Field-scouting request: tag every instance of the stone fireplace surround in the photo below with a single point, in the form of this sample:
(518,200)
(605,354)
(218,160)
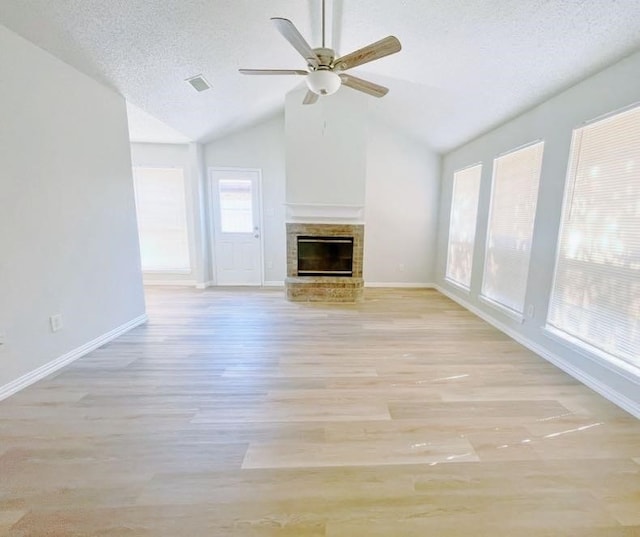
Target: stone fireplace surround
(324,288)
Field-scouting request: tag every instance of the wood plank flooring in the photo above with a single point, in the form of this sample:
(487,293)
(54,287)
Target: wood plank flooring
(236,413)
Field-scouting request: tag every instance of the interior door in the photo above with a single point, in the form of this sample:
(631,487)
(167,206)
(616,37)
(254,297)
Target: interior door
(237,237)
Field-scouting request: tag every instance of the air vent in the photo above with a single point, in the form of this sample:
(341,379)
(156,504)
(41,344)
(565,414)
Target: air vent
(198,83)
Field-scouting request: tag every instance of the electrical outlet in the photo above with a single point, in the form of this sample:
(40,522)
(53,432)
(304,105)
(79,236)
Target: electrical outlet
(56,322)
(401,267)
(269,264)
(531,310)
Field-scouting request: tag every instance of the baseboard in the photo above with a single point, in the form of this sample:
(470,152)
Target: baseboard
(401,285)
(169,283)
(280,283)
(50,367)
(206,285)
(595,384)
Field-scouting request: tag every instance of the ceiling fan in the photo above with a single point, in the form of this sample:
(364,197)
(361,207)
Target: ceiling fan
(325,73)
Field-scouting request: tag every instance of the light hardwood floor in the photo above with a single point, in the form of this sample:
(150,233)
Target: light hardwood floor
(236,413)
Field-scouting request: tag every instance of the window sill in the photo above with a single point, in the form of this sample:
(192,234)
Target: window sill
(508,312)
(618,365)
(458,286)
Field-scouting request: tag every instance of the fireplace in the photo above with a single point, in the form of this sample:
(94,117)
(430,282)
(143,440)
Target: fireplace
(324,262)
(325,256)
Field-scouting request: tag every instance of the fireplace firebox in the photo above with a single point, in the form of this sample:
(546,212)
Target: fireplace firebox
(325,256)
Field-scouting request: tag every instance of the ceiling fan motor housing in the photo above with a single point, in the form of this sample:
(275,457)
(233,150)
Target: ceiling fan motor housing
(325,57)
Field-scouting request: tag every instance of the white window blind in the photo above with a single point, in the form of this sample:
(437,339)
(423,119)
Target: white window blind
(596,293)
(462,226)
(513,207)
(162,219)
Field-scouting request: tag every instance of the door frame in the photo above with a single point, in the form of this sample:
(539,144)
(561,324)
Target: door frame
(214,213)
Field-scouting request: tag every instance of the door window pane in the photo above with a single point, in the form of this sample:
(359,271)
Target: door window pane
(236,205)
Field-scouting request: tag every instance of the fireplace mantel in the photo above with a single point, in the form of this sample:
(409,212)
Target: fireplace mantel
(314,213)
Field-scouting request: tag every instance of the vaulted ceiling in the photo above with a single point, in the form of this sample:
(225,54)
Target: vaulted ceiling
(466,65)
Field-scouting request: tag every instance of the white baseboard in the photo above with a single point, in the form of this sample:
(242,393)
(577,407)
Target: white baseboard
(50,367)
(401,285)
(169,283)
(280,283)
(206,285)
(595,384)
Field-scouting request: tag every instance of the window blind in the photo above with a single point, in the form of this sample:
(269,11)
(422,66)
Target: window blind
(162,219)
(462,225)
(513,207)
(596,291)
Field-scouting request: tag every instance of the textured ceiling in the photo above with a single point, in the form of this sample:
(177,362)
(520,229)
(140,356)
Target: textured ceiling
(466,65)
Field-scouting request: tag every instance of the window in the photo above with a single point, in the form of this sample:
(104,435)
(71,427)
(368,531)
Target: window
(462,226)
(236,205)
(162,219)
(513,207)
(595,300)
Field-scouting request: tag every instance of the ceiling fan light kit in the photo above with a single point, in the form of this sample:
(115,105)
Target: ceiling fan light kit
(325,73)
(323,82)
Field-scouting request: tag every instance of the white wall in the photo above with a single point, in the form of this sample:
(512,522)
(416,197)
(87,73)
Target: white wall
(553,121)
(326,148)
(401,208)
(68,240)
(397,181)
(160,155)
(261,146)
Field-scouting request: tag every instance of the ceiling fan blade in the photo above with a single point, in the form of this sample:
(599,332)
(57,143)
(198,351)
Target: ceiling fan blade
(310,98)
(374,51)
(273,72)
(291,34)
(363,85)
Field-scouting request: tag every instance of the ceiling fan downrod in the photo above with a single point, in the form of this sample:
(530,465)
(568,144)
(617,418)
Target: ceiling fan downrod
(323,24)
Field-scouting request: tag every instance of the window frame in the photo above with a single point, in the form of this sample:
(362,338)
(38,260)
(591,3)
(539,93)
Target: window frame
(505,309)
(447,277)
(569,340)
(187,226)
